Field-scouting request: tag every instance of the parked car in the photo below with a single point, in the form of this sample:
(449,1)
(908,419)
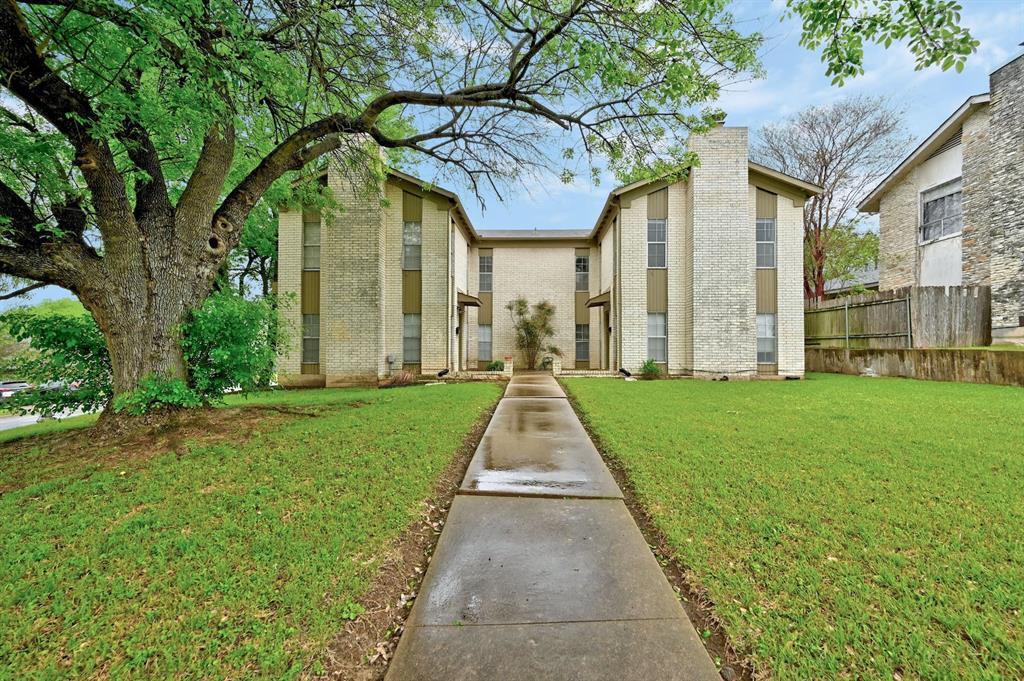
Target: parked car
(9,388)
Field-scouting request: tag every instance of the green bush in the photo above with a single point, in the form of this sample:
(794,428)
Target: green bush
(155,392)
(66,361)
(496,365)
(229,342)
(650,370)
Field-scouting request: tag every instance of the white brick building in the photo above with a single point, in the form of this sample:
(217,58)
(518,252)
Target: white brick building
(702,275)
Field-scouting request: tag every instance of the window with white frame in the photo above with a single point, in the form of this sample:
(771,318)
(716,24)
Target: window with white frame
(484,343)
(765,242)
(411,339)
(412,245)
(583,342)
(655,244)
(582,273)
(657,337)
(766,340)
(311,244)
(310,339)
(942,211)
(486,273)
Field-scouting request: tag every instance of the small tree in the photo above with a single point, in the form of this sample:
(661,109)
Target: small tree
(533,328)
(850,252)
(845,148)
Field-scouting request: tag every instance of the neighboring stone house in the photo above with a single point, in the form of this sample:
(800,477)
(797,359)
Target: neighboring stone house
(952,213)
(703,275)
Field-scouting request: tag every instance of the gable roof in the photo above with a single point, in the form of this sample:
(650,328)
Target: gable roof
(949,128)
(805,188)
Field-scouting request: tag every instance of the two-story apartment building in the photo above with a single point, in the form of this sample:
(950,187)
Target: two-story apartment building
(702,274)
(952,213)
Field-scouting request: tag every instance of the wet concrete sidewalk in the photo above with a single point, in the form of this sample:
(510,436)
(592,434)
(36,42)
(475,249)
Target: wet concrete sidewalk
(540,572)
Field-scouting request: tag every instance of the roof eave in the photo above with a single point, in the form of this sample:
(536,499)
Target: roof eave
(872,202)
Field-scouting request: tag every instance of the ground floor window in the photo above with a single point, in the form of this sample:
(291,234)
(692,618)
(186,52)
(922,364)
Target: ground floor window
(411,339)
(766,340)
(583,342)
(657,337)
(310,339)
(484,343)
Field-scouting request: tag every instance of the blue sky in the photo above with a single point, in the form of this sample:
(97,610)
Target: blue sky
(794,79)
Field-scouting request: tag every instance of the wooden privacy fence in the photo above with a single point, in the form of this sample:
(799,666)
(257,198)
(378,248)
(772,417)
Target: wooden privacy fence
(910,317)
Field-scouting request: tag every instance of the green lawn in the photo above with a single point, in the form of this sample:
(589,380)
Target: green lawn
(222,560)
(844,527)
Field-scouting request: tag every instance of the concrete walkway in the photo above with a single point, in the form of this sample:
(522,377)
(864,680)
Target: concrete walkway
(540,572)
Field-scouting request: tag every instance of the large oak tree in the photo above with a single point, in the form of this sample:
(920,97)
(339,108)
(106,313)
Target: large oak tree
(137,138)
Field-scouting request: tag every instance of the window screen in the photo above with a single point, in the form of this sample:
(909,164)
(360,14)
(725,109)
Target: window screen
(583,342)
(310,339)
(486,273)
(412,240)
(311,245)
(657,341)
(941,212)
(582,273)
(411,339)
(766,242)
(655,243)
(484,349)
(766,342)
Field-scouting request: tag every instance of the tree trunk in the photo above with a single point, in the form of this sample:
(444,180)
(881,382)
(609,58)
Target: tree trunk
(145,293)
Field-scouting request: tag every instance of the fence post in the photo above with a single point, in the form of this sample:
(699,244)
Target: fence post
(846,322)
(910,337)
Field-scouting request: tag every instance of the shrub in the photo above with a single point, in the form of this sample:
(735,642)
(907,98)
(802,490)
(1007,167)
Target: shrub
(399,379)
(155,392)
(496,365)
(533,327)
(650,370)
(231,342)
(66,360)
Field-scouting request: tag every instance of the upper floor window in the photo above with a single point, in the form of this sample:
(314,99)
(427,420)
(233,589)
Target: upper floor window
(486,273)
(412,245)
(582,273)
(311,244)
(766,242)
(656,243)
(942,211)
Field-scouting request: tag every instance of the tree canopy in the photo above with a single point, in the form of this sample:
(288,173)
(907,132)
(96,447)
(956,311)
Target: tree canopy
(137,139)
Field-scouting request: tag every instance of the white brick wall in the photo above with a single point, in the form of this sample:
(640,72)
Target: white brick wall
(436,311)
(289,285)
(724,331)
(536,273)
(350,283)
(392,260)
(677,318)
(632,305)
(789,271)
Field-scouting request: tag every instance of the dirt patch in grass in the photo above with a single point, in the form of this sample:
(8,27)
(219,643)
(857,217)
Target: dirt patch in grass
(695,601)
(43,457)
(363,650)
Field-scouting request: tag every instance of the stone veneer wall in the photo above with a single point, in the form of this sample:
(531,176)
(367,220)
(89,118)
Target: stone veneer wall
(1006,201)
(724,330)
(977,176)
(897,230)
